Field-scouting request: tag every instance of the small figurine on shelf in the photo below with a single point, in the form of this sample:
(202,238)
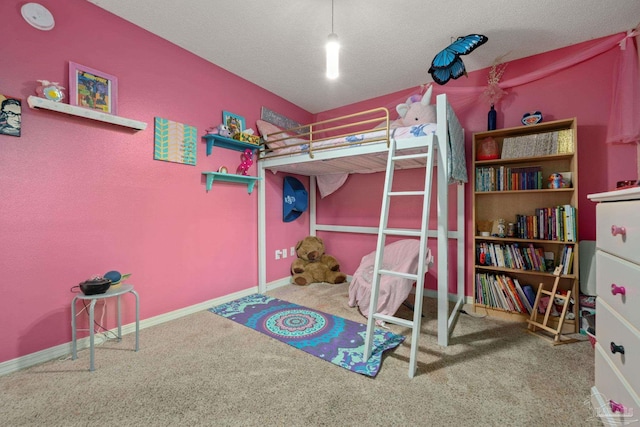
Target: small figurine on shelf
(50,90)
(556,181)
(502,229)
(221,130)
(247,162)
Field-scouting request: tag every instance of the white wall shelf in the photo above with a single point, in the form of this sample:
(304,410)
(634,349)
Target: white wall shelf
(37,102)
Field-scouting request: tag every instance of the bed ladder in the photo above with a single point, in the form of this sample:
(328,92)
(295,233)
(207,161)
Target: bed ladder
(383,232)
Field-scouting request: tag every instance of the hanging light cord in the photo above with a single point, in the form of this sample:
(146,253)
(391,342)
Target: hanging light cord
(332,16)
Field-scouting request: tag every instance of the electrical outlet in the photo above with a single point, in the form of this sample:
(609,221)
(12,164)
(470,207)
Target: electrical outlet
(284,253)
(278,253)
(292,252)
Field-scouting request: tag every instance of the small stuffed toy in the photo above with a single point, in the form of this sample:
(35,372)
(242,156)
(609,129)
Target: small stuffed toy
(313,265)
(221,130)
(557,181)
(415,112)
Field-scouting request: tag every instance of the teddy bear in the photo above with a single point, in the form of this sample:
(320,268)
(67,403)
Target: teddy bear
(313,265)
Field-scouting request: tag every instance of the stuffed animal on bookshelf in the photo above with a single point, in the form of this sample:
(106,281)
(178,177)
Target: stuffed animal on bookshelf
(559,302)
(557,181)
(556,306)
(416,111)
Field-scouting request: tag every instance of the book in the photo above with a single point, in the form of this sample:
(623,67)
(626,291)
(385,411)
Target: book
(529,294)
(522,296)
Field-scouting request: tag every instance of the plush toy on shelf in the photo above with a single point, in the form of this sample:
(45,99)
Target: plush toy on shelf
(220,130)
(313,265)
(557,181)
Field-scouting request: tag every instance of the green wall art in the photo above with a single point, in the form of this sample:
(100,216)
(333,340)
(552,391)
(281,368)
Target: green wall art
(175,142)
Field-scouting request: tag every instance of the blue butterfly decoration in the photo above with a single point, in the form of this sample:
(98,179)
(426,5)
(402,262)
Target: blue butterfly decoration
(447,64)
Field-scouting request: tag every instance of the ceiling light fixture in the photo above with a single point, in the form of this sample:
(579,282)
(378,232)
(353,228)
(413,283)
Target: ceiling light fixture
(333,51)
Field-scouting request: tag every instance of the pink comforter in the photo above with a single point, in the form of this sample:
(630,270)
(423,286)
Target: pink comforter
(398,256)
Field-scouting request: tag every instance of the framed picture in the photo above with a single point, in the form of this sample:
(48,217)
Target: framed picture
(10,115)
(234,122)
(92,89)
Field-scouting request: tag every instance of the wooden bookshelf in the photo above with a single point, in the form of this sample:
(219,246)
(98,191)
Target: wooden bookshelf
(517,187)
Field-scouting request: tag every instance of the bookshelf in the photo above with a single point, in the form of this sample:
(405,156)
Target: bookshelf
(540,223)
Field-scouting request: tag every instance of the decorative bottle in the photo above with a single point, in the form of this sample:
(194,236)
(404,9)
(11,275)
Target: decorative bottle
(491,119)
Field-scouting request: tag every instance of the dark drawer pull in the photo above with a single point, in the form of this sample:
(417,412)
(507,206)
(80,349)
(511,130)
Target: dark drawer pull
(616,348)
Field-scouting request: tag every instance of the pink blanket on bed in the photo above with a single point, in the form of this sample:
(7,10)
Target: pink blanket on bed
(398,256)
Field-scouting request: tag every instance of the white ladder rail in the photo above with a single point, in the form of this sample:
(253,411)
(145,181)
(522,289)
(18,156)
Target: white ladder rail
(423,233)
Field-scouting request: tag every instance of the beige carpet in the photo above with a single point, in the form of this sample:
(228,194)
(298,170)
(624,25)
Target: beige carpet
(204,370)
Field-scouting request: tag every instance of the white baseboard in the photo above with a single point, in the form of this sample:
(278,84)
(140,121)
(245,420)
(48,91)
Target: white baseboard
(63,350)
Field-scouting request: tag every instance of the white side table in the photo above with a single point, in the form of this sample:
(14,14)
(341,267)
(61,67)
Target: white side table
(114,291)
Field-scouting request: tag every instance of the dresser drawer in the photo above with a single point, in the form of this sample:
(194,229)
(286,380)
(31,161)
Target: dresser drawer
(610,328)
(612,387)
(625,297)
(619,215)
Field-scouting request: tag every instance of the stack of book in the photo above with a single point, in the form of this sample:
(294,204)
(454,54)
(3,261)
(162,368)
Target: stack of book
(504,292)
(504,178)
(538,144)
(510,255)
(557,223)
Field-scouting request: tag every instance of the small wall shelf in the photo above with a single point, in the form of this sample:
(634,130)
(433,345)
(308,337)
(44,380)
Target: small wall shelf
(228,143)
(37,102)
(231,177)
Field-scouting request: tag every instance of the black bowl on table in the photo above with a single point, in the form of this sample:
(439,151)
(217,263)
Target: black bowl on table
(95,287)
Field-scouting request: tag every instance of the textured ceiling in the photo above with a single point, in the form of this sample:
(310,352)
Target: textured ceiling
(386,46)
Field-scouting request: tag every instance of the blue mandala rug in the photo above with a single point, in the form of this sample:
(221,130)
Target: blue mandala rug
(331,338)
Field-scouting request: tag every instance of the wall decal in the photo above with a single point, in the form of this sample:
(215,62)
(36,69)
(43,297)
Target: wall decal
(175,142)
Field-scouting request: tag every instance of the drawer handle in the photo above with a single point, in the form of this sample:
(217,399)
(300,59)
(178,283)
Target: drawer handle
(615,230)
(615,289)
(616,407)
(616,348)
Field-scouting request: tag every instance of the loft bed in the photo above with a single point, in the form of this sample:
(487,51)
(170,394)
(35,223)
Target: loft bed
(328,150)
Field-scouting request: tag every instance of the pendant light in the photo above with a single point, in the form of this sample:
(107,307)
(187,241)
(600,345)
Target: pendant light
(333,51)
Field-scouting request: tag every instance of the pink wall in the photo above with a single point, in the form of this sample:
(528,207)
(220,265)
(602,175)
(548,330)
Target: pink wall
(583,91)
(80,197)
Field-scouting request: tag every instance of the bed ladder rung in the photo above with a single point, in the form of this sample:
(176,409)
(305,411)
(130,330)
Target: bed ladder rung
(411,156)
(402,232)
(407,193)
(395,320)
(399,274)
(416,275)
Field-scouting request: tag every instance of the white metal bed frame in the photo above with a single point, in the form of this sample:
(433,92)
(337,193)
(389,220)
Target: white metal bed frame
(296,163)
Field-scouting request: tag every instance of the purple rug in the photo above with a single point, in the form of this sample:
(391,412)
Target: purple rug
(331,338)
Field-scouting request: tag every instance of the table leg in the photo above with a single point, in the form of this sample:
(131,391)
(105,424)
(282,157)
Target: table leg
(119,321)
(137,318)
(91,333)
(74,348)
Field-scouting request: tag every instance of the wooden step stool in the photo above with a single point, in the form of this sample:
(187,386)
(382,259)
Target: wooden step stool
(556,334)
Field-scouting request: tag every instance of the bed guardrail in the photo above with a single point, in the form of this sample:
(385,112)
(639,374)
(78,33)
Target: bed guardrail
(326,130)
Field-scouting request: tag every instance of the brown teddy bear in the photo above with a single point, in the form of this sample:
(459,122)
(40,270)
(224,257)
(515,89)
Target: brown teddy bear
(313,265)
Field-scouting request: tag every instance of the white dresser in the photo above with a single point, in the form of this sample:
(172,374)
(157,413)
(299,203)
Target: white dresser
(615,396)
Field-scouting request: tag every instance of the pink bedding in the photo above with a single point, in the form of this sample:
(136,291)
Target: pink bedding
(398,256)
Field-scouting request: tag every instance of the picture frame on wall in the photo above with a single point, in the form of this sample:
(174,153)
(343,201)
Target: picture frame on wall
(234,122)
(10,115)
(93,89)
